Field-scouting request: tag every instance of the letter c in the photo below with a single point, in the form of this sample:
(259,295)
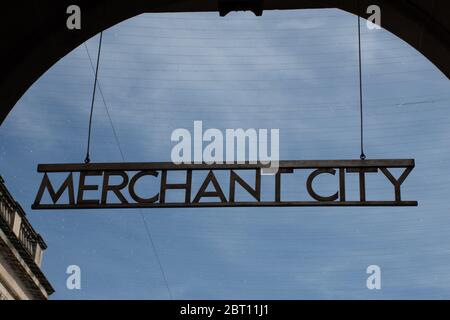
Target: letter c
(133,182)
(312,193)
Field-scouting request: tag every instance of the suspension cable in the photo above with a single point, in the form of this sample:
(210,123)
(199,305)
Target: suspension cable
(116,138)
(87,159)
(362,156)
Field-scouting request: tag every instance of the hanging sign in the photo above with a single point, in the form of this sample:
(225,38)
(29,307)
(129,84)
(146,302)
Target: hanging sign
(116,184)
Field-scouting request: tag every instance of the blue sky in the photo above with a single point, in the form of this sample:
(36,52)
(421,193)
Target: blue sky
(294,70)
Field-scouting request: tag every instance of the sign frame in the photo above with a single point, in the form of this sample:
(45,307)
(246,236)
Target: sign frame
(341,167)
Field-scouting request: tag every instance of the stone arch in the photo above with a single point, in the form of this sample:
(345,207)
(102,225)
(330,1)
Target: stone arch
(36,38)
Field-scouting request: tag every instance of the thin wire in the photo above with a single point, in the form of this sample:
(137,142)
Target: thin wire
(362,156)
(87,159)
(150,238)
(116,138)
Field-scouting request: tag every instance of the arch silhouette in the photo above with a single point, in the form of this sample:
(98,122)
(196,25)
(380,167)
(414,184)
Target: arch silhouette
(37,37)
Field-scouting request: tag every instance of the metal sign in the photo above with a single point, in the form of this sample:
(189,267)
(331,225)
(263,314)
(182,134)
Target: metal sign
(129,174)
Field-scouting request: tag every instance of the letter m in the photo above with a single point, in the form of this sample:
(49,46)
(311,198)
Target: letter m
(47,185)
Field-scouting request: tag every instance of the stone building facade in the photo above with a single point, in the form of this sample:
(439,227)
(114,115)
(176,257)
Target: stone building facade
(21,250)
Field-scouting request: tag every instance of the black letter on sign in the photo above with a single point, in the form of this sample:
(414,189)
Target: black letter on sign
(342,184)
(82,187)
(362,180)
(46,184)
(256,193)
(186,186)
(278,182)
(311,191)
(203,193)
(397,183)
(114,188)
(133,182)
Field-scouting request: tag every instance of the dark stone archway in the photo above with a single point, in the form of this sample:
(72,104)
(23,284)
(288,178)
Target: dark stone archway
(35,36)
